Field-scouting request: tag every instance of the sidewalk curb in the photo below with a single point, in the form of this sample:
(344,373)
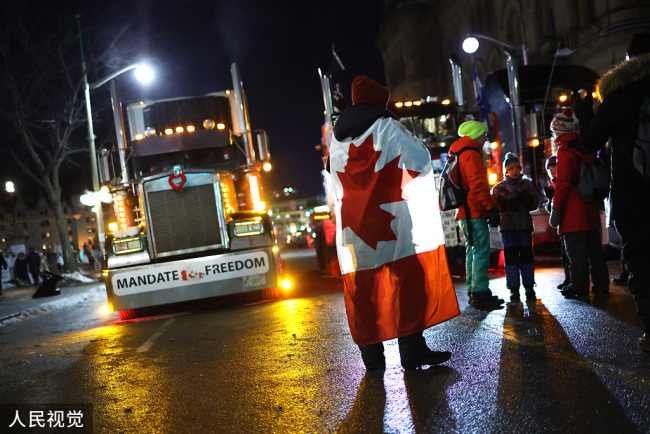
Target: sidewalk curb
(28,307)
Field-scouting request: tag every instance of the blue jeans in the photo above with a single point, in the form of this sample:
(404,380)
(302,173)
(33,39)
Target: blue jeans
(477,257)
(519,259)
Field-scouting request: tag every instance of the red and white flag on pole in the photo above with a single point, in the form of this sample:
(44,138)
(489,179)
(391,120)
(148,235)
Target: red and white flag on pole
(389,236)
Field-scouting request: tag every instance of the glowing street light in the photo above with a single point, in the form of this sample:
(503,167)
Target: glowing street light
(144,74)
(471,44)
(10,187)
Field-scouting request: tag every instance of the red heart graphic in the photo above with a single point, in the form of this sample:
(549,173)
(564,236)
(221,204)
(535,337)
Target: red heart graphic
(173,184)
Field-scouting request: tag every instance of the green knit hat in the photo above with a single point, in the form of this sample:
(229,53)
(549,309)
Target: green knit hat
(471,129)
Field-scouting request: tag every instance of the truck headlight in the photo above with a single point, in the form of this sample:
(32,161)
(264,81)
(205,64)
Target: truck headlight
(246,228)
(127,245)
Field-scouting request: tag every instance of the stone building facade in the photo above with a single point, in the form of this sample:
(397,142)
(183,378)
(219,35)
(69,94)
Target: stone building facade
(417,38)
(23,226)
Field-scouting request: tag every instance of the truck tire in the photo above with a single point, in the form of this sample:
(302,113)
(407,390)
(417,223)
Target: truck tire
(133,313)
(126,314)
(271,293)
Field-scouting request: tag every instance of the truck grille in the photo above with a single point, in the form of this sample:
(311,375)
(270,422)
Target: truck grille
(183,220)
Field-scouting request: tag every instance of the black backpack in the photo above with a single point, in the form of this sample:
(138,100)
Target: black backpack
(451,193)
(593,185)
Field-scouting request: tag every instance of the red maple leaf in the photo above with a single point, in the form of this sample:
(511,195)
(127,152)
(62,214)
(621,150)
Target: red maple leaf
(364,190)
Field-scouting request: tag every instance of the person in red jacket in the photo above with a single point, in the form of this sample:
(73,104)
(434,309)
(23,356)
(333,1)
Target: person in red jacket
(482,208)
(578,222)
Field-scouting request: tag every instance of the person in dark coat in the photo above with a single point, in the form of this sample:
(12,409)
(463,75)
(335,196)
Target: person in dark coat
(3,266)
(516,197)
(20,268)
(622,91)
(33,260)
(578,221)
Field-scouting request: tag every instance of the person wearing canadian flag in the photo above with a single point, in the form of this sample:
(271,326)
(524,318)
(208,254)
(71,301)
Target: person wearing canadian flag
(389,234)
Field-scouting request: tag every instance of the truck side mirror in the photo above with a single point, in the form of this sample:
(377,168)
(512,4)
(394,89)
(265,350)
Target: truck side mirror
(261,143)
(103,167)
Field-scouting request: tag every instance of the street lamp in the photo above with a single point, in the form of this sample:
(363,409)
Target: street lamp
(144,74)
(471,44)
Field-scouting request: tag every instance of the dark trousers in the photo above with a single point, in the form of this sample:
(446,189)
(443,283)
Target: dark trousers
(564,258)
(34,276)
(636,255)
(586,257)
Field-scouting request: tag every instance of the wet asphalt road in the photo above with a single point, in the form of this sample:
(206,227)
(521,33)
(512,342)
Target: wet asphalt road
(289,365)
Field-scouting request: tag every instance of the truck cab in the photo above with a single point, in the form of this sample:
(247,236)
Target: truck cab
(190,221)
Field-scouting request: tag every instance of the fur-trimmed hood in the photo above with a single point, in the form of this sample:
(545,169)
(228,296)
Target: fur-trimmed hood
(624,74)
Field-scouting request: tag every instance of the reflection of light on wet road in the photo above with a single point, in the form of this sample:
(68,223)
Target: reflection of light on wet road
(129,387)
(397,412)
(480,335)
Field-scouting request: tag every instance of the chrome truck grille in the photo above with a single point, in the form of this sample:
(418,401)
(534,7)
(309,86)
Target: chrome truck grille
(183,221)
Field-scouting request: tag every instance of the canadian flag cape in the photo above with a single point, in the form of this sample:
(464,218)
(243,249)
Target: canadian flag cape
(389,235)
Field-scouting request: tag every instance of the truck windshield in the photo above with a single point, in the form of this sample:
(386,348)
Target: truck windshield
(431,130)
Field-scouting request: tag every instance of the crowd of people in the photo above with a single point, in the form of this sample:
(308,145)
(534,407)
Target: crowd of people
(578,138)
(25,269)
(374,161)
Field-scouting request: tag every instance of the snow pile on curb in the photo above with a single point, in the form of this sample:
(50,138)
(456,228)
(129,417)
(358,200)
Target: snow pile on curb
(92,293)
(78,277)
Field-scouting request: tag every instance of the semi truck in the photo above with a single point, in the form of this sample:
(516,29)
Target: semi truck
(189,220)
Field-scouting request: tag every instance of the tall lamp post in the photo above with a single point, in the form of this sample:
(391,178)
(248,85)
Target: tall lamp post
(470,45)
(144,74)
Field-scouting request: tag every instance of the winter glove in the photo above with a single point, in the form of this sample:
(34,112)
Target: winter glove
(556,218)
(494,218)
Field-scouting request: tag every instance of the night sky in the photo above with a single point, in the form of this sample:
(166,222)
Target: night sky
(278,46)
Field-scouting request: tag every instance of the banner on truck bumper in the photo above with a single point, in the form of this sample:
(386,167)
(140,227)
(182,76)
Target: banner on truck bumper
(182,273)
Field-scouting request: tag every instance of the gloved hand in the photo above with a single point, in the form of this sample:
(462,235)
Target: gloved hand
(494,218)
(556,218)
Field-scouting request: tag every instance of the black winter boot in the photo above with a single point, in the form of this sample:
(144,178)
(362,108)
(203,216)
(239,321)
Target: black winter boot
(530,292)
(484,300)
(413,352)
(569,292)
(622,279)
(514,295)
(567,278)
(373,356)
